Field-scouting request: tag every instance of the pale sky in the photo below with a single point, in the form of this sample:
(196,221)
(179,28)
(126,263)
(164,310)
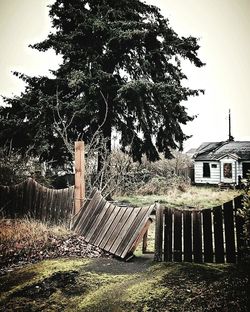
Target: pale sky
(223,27)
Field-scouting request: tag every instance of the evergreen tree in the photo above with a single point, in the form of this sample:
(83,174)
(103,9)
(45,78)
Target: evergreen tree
(121,71)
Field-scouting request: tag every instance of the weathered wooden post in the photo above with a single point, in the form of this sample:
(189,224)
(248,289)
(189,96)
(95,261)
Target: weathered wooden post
(158,232)
(79,175)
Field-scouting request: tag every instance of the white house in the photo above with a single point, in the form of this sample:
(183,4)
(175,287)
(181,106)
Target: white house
(222,162)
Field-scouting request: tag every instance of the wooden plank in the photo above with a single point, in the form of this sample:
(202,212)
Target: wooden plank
(96,210)
(59,207)
(229,232)
(168,231)
(31,189)
(145,242)
(96,225)
(97,235)
(37,203)
(197,238)
(54,205)
(132,214)
(137,228)
(158,232)
(105,226)
(140,236)
(118,228)
(177,235)
(45,215)
(187,225)
(79,175)
(88,212)
(49,200)
(207,235)
(68,208)
(218,235)
(46,205)
(107,241)
(239,227)
(79,215)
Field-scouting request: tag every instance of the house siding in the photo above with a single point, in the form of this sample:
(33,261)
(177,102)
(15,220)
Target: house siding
(214,172)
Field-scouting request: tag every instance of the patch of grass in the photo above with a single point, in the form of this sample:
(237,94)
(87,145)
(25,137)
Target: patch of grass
(197,197)
(15,284)
(68,285)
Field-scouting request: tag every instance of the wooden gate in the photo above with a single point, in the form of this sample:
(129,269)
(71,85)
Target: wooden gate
(200,235)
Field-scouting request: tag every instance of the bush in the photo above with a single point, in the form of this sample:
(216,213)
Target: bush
(161,185)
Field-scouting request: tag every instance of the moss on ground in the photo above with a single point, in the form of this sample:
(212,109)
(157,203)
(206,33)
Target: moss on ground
(95,286)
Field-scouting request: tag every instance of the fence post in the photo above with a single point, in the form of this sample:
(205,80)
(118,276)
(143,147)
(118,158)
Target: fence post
(79,175)
(158,232)
(145,242)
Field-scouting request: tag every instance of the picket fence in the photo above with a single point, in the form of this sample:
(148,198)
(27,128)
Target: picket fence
(200,235)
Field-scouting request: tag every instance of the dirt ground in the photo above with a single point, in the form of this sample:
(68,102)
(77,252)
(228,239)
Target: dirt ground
(107,284)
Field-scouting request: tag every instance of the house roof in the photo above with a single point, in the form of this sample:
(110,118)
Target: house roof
(191,151)
(217,150)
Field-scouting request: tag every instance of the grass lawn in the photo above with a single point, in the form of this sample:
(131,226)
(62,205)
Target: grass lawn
(104,285)
(195,196)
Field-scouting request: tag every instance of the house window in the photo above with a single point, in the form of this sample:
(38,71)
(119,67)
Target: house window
(227,170)
(214,166)
(246,170)
(206,170)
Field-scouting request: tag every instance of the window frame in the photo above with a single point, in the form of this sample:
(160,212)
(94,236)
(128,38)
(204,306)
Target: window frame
(227,172)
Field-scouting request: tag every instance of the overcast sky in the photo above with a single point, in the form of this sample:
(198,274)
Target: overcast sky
(223,27)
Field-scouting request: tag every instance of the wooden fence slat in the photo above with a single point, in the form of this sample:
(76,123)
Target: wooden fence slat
(86,216)
(145,242)
(207,235)
(158,232)
(107,240)
(229,232)
(91,234)
(177,235)
(96,210)
(197,236)
(81,213)
(218,235)
(187,235)
(239,227)
(168,224)
(132,215)
(106,222)
(117,230)
(137,229)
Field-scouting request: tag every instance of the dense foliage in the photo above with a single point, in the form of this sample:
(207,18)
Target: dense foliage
(121,71)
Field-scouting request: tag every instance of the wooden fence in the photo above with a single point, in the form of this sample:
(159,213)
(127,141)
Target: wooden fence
(204,235)
(29,198)
(113,228)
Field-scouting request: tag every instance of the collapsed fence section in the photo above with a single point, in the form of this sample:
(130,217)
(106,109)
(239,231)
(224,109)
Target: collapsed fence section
(29,198)
(204,235)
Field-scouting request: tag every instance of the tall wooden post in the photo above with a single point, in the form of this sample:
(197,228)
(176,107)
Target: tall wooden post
(79,175)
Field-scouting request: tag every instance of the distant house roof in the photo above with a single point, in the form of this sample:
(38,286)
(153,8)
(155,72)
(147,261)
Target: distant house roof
(191,151)
(217,150)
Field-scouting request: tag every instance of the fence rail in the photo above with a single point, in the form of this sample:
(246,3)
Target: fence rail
(205,235)
(29,198)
